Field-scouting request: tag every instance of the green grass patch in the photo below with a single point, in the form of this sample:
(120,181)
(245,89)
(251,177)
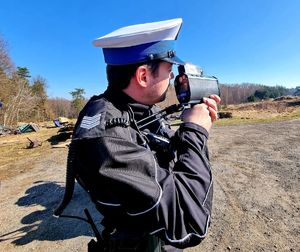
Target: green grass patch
(242,121)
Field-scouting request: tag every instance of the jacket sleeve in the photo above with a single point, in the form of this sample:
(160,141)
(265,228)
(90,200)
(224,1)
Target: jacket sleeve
(186,203)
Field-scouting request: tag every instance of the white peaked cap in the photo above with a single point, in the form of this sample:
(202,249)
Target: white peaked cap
(141,43)
(140,34)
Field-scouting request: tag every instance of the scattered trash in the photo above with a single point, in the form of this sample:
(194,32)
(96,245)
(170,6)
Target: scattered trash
(66,132)
(8,131)
(25,128)
(56,123)
(61,121)
(63,134)
(67,128)
(33,143)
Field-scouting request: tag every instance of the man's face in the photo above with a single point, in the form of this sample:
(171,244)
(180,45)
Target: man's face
(160,82)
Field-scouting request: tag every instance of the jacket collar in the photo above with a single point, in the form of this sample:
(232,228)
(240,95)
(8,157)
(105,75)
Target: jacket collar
(122,101)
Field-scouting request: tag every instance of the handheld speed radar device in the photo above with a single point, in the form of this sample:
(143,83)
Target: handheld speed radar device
(191,85)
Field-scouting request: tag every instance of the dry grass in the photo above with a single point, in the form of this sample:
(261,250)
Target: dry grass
(13,149)
(263,112)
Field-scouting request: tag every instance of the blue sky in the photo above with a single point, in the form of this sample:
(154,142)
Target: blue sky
(238,41)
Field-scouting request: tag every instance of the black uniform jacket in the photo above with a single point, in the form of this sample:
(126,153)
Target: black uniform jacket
(139,189)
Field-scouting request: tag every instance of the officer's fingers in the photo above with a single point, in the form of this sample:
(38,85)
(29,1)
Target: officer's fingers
(216,98)
(213,114)
(210,103)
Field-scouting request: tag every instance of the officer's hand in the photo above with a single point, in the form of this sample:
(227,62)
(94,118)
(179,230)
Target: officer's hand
(203,114)
(212,102)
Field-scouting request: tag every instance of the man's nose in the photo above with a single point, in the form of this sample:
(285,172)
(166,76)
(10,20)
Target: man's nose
(171,75)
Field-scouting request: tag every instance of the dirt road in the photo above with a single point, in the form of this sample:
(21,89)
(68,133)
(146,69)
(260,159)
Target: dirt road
(256,202)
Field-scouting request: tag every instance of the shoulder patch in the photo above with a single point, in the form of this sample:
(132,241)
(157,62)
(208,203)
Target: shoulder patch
(89,122)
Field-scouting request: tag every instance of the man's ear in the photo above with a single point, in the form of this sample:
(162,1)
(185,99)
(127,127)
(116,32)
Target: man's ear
(141,75)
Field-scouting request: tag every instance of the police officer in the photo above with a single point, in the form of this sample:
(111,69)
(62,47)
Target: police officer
(152,199)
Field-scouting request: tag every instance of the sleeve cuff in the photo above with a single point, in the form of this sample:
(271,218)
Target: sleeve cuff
(193,126)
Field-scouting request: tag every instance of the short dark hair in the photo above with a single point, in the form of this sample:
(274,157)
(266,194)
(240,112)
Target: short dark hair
(118,76)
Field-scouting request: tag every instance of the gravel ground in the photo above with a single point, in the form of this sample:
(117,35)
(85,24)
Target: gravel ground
(256,201)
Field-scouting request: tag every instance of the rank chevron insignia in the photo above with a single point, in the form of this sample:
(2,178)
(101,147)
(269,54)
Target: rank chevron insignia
(89,122)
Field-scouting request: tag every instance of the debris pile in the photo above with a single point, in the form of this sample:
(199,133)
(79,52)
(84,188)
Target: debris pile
(30,127)
(64,134)
(61,121)
(8,131)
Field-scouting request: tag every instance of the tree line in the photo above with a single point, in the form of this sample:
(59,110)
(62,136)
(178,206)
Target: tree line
(24,98)
(250,92)
(239,93)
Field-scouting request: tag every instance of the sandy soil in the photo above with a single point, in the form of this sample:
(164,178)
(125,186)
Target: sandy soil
(256,201)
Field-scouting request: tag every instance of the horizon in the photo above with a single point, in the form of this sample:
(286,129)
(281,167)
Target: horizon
(238,42)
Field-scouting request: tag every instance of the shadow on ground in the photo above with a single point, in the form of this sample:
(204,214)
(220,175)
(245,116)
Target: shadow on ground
(41,225)
(60,137)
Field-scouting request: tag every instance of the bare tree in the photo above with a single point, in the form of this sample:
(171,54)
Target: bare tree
(6,65)
(6,69)
(19,104)
(237,93)
(19,99)
(57,107)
